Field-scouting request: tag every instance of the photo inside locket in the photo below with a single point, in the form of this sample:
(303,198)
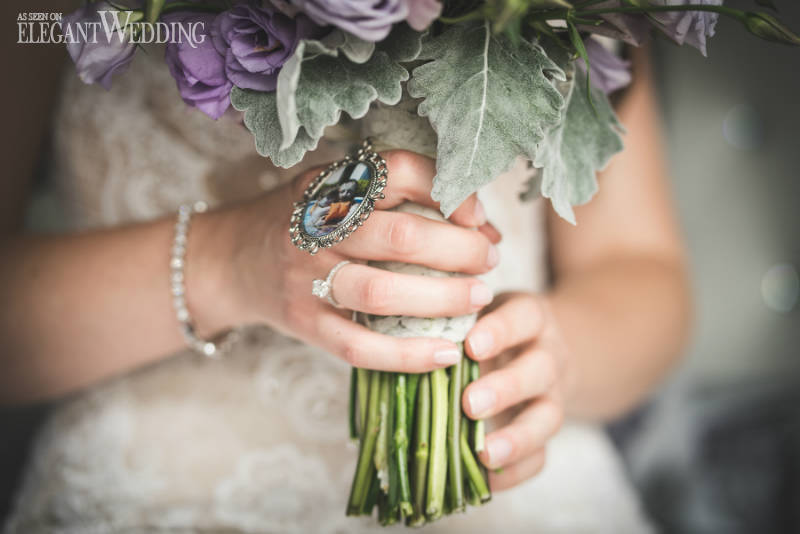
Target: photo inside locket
(337,199)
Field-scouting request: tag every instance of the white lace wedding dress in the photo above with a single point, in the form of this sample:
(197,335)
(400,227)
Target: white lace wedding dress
(256,442)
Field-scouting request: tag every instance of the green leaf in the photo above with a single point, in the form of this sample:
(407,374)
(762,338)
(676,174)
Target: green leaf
(770,29)
(575,150)
(152,9)
(261,118)
(488,100)
(767,3)
(404,44)
(354,48)
(317,83)
(577,42)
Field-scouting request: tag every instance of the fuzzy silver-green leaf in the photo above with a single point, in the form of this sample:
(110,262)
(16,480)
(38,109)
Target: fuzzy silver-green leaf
(319,83)
(574,151)
(261,118)
(489,100)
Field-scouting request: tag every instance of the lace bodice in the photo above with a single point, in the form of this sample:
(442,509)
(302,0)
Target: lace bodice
(255,442)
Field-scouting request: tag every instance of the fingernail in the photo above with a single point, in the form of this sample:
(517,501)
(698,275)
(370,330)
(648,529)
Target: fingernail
(493,257)
(480,295)
(499,449)
(481,401)
(480,214)
(480,342)
(446,356)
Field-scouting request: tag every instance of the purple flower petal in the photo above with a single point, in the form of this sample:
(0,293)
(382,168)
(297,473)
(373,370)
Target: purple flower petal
(97,62)
(690,27)
(607,71)
(421,13)
(256,41)
(199,71)
(370,20)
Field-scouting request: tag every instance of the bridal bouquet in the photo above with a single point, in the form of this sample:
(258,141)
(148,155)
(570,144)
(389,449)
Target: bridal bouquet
(495,79)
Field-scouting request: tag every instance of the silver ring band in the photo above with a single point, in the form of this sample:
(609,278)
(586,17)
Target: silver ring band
(324,288)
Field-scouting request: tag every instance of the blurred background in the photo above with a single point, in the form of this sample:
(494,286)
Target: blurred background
(717,450)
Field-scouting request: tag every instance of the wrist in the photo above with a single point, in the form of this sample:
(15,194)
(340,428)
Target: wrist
(212,295)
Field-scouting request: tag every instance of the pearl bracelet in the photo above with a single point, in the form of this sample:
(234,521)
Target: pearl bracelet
(178,287)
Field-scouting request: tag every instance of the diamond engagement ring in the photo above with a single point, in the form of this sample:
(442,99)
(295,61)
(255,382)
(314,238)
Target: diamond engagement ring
(324,288)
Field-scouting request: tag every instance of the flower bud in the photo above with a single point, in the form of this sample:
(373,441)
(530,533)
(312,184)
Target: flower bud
(770,29)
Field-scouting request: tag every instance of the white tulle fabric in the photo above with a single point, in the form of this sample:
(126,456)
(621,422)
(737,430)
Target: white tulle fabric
(255,443)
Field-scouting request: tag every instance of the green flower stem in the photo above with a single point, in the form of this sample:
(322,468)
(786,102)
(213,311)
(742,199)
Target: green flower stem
(478,427)
(437,464)
(735,13)
(401,444)
(394,475)
(411,396)
(473,470)
(471,492)
(422,431)
(372,495)
(366,468)
(580,12)
(454,472)
(362,387)
(382,444)
(351,406)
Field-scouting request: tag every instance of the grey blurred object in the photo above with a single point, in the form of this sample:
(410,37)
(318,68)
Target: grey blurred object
(718,449)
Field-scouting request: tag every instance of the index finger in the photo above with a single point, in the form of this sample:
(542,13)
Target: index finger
(361,347)
(410,179)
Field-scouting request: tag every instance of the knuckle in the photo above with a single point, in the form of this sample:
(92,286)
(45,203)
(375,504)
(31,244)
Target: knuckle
(352,354)
(548,370)
(401,162)
(513,387)
(375,293)
(534,310)
(403,234)
(555,416)
(479,248)
(405,358)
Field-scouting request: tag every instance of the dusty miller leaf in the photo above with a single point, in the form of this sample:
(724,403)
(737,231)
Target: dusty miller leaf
(261,118)
(355,49)
(575,150)
(318,85)
(404,44)
(489,100)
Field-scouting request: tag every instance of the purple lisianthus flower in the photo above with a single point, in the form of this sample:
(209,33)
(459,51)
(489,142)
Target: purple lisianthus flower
(370,20)
(199,71)
(256,41)
(421,13)
(632,29)
(98,60)
(690,27)
(607,71)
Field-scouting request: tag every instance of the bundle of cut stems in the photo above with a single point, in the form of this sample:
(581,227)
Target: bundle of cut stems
(417,449)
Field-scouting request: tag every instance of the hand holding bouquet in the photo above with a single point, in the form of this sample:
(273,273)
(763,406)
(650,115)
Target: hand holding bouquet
(495,80)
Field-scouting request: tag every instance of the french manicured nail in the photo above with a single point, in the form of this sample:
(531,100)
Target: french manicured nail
(499,449)
(446,356)
(493,257)
(480,214)
(480,295)
(480,342)
(481,401)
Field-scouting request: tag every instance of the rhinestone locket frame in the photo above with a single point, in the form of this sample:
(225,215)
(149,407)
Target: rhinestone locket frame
(377,182)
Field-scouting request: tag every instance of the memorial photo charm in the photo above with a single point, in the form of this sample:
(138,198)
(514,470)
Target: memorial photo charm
(338,201)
